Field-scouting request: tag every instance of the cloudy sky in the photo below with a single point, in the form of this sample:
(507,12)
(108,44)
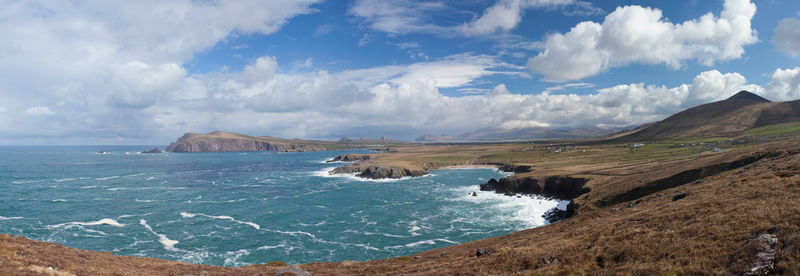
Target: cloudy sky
(145,72)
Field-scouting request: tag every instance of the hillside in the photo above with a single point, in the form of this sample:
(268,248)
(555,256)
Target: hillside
(730,117)
(534,133)
(219,141)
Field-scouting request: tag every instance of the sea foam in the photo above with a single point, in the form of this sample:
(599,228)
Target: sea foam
(105,221)
(168,243)
(251,224)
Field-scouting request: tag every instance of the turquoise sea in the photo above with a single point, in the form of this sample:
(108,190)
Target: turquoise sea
(242,208)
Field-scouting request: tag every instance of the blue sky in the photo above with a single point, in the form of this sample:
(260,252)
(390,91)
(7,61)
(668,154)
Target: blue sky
(144,72)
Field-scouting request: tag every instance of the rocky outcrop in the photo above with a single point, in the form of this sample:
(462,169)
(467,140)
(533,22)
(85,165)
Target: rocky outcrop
(349,158)
(513,168)
(553,186)
(379,171)
(154,150)
(226,142)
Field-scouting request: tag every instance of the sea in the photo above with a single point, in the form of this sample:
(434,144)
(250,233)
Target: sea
(240,208)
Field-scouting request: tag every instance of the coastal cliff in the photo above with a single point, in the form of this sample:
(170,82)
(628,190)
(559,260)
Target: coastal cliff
(218,141)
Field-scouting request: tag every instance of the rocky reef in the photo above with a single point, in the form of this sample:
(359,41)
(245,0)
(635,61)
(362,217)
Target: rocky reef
(379,171)
(349,158)
(154,150)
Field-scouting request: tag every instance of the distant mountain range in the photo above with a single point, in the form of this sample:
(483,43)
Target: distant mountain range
(496,133)
(730,117)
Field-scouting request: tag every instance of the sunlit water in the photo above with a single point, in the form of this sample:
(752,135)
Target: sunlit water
(241,208)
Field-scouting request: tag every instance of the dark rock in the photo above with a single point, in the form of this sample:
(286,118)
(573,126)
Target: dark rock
(349,158)
(154,150)
(555,215)
(679,196)
(378,172)
(474,194)
(766,245)
(553,186)
(481,252)
(635,203)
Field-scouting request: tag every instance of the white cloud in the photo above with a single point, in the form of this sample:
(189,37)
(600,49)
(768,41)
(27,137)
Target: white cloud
(39,111)
(507,14)
(635,34)
(517,124)
(406,16)
(397,17)
(787,36)
(784,85)
(570,86)
(364,40)
(105,66)
(451,71)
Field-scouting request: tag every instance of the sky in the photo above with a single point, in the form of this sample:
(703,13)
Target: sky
(145,72)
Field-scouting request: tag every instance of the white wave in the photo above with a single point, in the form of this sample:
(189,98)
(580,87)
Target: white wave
(315,224)
(151,178)
(325,172)
(422,242)
(168,243)
(413,228)
(294,233)
(524,209)
(59,200)
(105,221)
(232,257)
(117,189)
(128,216)
(268,247)
(65,179)
(88,187)
(107,178)
(25,181)
(365,246)
(95,231)
(395,236)
(7,218)
(144,200)
(190,215)
(237,200)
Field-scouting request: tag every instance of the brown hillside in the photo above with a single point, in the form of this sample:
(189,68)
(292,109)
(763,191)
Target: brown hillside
(729,117)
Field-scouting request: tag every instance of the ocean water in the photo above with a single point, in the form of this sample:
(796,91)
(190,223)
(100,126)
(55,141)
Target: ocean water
(242,208)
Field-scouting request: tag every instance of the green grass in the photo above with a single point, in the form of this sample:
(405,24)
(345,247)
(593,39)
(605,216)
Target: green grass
(774,129)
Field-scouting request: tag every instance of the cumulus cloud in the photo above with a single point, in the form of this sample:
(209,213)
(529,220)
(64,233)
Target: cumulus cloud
(787,36)
(102,66)
(406,16)
(636,34)
(784,85)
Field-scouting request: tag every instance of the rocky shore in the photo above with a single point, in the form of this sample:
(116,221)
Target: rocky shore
(349,158)
(379,172)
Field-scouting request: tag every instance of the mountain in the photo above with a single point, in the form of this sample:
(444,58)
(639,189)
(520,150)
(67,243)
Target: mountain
(728,117)
(432,138)
(496,133)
